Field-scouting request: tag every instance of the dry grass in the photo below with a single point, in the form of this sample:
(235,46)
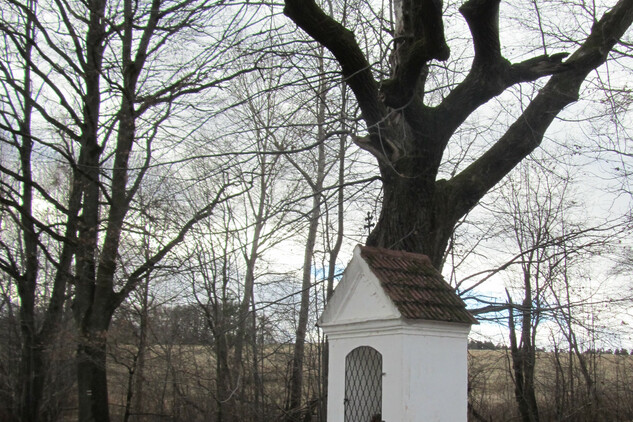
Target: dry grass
(179,381)
(561,389)
(179,384)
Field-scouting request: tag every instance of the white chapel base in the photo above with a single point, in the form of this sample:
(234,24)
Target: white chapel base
(424,374)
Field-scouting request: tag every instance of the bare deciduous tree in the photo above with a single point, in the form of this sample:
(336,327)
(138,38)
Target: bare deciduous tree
(92,90)
(408,134)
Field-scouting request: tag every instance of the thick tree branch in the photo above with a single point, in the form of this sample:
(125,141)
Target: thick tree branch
(536,67)
(527,132)
(419,39)
(355,67)
(491,74)
(482,17)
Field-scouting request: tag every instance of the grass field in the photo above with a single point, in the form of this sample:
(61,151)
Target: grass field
(179,385)
(562,393)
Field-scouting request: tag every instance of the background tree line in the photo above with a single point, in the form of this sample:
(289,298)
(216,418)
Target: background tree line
(182,183)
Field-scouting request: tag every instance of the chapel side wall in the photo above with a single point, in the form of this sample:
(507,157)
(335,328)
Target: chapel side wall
(390,347)
(435,387)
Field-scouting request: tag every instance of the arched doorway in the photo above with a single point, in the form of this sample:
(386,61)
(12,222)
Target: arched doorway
(363,385)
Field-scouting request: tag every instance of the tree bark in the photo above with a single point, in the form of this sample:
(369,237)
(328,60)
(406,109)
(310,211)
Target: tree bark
(91,379)
(414,215)
(92,383)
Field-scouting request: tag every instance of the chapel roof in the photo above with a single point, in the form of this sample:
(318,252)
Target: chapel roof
(415,287)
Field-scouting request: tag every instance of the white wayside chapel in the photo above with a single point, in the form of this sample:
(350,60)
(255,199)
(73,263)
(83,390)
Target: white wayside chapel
(398,336)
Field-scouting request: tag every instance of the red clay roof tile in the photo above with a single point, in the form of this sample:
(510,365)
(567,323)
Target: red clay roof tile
(415,286)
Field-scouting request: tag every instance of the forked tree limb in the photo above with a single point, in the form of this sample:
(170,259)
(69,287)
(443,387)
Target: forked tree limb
(491,74)
(482,17)
(526,134)
(419,38)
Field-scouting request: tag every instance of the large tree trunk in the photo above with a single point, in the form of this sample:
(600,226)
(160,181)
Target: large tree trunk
(91,373)
(412,217)
(31,379)
(91,323)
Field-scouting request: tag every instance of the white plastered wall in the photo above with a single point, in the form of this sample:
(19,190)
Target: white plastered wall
(424,368)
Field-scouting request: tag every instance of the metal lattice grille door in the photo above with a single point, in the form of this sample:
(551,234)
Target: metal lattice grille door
(363,385)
